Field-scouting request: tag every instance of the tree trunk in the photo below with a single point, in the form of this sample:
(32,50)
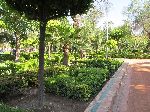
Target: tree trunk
(96,48)
(148,35)
(49,50)
(81,53)
(148,45)
(17,50)
(66,54)
(41,63)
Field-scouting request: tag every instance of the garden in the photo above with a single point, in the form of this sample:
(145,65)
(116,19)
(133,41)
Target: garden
(65,65)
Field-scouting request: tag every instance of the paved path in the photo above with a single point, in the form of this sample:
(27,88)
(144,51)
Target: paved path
(139,89)
(127,91)
(134,95)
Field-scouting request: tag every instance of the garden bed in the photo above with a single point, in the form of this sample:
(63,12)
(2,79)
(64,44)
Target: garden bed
(52,103)
(67,88)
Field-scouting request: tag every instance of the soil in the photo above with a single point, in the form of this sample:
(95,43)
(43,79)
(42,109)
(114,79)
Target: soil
(52,103)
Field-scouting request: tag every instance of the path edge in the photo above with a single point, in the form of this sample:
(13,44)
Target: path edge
(104,100)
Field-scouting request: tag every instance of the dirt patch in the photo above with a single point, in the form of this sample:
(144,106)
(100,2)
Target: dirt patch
(52,103)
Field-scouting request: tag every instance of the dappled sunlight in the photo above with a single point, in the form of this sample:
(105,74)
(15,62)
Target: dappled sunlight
(140,87)
(145,65)
(143,69)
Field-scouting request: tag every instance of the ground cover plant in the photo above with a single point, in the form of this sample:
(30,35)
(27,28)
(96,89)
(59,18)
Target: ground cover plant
(5,108)
(79,81)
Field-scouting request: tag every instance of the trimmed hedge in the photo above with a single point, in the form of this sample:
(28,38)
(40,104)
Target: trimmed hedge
(14,84)
(79,81)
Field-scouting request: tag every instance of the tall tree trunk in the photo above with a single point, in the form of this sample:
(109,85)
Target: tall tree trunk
(66,54)
(41,63)
(17,50)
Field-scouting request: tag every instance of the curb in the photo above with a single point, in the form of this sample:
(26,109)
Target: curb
(105,98)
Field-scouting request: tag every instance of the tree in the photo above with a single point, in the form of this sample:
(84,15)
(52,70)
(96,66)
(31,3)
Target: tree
(15,25)
(44,10)
(139,14)
(60,32)
(52,34)
(120,34)
(90,33)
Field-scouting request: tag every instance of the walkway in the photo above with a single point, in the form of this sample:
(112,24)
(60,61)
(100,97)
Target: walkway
(139,89)
(133,94)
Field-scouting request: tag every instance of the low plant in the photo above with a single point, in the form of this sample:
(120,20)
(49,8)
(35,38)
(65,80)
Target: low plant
(6,108)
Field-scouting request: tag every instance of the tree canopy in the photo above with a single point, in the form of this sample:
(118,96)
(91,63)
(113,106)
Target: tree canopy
(139,13)
(49,9)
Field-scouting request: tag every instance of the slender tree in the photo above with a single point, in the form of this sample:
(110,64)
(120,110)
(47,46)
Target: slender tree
(44,10)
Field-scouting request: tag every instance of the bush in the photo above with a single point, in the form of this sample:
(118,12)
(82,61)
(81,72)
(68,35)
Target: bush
(80,81)
(5,57)
(110,64)
(57,69)
(7,68)
(28,56)
(81,85)
(14,84)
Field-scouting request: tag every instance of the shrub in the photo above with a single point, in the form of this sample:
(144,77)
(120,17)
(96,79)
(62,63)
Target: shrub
(5,57)
(109,64)
(14,84)
(5,108)
(80,86)
(57,69)
(27,56)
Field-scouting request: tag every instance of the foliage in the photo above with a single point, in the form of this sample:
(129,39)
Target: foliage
(79,81)
(34,10)
(15,83)
(15,77)
(5,57)
(116,34)
(28,56)
(43,11)
(13,21)
(82,80)
(132,47)
(57,69)
(6,108)
(80,87)
(139,14)
(109,64)
(112,44)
